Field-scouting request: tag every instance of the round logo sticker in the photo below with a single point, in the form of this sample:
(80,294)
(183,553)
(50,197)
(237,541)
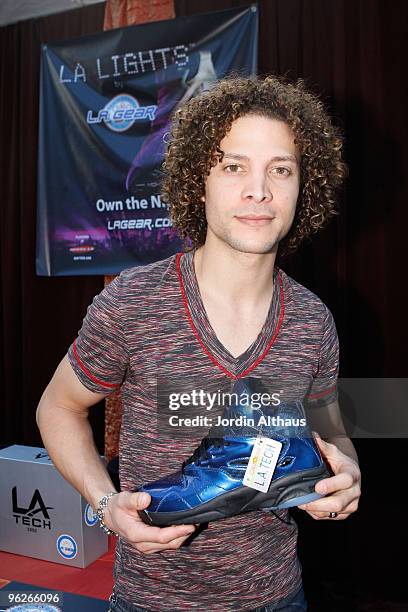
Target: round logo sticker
(122,111)
(66,546)
(90,517)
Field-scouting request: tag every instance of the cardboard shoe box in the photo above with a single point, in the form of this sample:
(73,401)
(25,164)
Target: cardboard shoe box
(42,515)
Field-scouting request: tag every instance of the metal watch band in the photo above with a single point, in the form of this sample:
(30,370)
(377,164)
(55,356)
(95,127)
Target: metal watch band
(100,513)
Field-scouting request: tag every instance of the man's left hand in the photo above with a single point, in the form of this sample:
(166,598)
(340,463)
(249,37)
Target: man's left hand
(342,490)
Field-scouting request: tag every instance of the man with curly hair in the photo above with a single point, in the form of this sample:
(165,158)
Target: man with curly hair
(252,168)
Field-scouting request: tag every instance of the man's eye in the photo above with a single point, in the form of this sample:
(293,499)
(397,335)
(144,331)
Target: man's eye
(232,168)
(282,171)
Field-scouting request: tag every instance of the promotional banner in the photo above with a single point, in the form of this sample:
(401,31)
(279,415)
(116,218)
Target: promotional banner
(105,106)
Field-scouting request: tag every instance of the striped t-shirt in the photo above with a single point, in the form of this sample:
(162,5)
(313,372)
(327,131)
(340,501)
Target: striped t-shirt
(149,333)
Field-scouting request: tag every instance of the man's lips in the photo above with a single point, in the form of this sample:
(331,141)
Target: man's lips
(254,220)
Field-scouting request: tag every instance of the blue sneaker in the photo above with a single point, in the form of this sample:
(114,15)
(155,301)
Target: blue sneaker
(210,485)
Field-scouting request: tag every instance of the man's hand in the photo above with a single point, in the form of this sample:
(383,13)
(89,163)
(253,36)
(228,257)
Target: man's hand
(121,515)
(342,490)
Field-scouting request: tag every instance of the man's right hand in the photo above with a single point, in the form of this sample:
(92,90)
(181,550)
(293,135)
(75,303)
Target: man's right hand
(121,515)
(62,417)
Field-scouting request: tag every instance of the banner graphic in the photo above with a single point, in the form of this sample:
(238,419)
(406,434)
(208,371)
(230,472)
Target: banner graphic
(105,106)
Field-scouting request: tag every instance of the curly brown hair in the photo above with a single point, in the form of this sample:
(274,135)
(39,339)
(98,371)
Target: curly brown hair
(199,126)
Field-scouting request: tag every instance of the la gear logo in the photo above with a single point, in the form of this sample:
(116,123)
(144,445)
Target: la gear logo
(25,516)
(120,113)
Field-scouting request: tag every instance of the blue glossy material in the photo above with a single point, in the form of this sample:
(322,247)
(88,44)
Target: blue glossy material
(221,466)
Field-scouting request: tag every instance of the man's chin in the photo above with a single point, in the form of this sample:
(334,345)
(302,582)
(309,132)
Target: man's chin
(254,247)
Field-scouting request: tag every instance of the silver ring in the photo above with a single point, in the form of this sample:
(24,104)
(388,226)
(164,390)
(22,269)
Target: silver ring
(333,514)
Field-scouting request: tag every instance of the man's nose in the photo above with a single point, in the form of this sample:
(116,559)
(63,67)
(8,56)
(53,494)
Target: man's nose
(257,188)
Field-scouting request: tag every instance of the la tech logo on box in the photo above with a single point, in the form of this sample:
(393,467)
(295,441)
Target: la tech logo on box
(35,516)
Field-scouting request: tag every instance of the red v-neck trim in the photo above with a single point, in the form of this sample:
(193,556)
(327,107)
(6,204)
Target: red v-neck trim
(199,339)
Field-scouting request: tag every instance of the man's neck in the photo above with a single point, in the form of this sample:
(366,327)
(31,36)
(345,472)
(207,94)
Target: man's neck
(245,279)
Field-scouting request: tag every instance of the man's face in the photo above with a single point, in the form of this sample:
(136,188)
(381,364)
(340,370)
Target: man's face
(250,196)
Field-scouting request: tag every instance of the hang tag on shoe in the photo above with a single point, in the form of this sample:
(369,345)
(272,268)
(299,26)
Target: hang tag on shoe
(262,464)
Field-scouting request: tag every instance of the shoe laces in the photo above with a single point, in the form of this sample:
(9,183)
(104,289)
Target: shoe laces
(201,453)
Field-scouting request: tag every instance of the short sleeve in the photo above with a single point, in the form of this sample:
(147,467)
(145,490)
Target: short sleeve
(324,385)
(98,356)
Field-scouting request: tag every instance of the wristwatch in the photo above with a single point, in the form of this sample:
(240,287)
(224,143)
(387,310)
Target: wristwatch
(100,513)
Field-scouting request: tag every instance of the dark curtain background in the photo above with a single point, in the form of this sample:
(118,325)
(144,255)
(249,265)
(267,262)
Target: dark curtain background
(351,53)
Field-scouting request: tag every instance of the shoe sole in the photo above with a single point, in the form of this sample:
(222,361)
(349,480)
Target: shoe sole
(286,492)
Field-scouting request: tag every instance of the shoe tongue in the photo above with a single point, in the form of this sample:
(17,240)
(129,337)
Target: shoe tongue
(247,417)
(240,414)
(200,451)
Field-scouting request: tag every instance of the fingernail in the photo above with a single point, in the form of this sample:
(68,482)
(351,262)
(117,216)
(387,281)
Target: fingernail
(143,499)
